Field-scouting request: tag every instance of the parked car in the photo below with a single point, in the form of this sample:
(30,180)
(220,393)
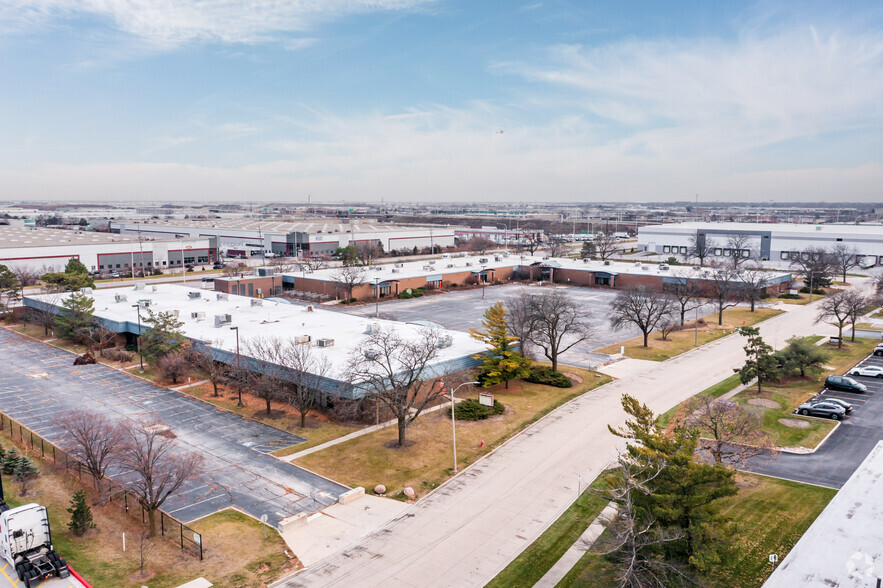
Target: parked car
(823,409)
(846,406)
(869,371)
(218,265)
(844,383)
(878,350)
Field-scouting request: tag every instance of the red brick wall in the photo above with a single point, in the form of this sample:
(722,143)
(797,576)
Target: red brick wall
(264,284)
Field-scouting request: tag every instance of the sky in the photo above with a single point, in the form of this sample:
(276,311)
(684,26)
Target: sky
(440,100)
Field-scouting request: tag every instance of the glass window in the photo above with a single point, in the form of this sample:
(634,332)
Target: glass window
(718,251)
(683,249)
(666,249)
(784,255)
(599,281)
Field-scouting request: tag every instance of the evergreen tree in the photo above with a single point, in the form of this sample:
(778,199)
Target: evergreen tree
(10,460)
(760,362)
(25,471)
(501,362)
(588,251)
(77,318)
(74,266)
(802,355)
(81,514)
(74,277)
(683,496)
(163,335)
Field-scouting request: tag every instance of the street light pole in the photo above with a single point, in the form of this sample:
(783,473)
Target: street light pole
(138,340)
(238,374)
(454,421)
(376,297)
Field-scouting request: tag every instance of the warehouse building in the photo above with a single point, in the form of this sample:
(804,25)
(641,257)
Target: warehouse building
(219,321)
(50,250)
(454,271)
(247,237)
(764,241)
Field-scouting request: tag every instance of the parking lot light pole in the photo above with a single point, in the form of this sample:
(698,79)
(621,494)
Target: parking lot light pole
(454,420)
(138,339)
(238,374)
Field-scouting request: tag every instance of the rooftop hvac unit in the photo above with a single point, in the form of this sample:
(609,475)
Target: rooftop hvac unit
(450,265)
(695,268)
(444,341)
(606,262)
(523,256)
(145,302)
(372,329)
(644,268)
(395,270)
(257,302)
(120,297)
(153,288)
(400,265)
(545,257)
(221,296)
(197,315)
(468,264)
(325,342)
(428,267)
(663,267)
(175,312)
(497,258)
(85,290)
(302,339)
(482,260)
(637,263)
(431,262)
(266,272)
(505,254)
(309,309)
(223,319)
(139,286)
(371,354)
(194,295)
(586,260)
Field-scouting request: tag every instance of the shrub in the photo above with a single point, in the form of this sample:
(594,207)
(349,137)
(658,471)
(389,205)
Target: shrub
(174,366)
(548,377)
(472,410)
(116,354)
(789,296)
(805,290)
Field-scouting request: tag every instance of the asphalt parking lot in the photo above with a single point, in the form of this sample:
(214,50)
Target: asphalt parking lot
(463,310)
(847,447)
(38,384)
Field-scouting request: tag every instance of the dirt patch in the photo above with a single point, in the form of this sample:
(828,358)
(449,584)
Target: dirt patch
(766,403)
(795,423)
(574,378)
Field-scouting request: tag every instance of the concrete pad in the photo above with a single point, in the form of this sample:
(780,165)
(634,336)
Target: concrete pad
(197,583)
(339,526)
(629,367)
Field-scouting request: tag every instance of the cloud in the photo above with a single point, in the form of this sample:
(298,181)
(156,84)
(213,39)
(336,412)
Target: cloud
(171,23)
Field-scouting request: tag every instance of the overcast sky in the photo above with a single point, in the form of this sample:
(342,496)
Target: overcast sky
(244,100)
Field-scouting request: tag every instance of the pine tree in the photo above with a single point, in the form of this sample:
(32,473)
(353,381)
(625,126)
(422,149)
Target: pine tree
(162,336)
(25,471)
(760,361)
(77,318)
(501,362)
(10,460)
(81,514)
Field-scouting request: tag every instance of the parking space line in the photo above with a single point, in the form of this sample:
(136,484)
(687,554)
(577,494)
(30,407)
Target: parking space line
(3,571)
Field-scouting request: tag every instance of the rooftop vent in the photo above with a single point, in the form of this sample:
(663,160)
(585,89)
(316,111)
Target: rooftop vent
(482,260)
(468,264)
(325,342)
(444,341)
(145,302)
(120,297)
(265,272)
(395,270)
(194,295)
(637,263)
(606,262)
(221,296)
(257,302)
(400,265)
(197,315)
(85,290)
(372,329)
(302,339)
(223,319)
(663,267)
(310,309)
(371,353)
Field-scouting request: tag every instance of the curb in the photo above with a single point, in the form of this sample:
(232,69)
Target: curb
(79,577)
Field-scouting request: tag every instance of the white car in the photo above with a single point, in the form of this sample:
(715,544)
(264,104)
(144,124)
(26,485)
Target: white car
(870,371)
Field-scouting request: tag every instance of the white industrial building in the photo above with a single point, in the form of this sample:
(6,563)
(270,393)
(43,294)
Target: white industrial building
(765,241)
(246,237)
(50,249)
(210,319)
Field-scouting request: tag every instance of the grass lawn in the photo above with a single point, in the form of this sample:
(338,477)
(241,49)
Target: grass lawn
(793,391)
(867,326)
(426,461)
(31,330)
(539,557)
(804,299)
(772,514)
(878,314)
(683,340)
(236,553)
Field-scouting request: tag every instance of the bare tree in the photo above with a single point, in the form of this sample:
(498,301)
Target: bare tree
(685,293)
(43,311)
(556,246)
(814,265)
(725,291)
(305,369)
(736,432)
(262,374)
(145,546)
(667,326)
(836,309)
(856,302)
(155,467)
(699,248)
(368,251)
(348,277)
(520,321)
(529,242)
(92,440)
(550,320)
(396,372)
(232,269)
(844,258)
(480,245)
(283,265)
(27,276)
(315,262)
(174,366)
(101,338)
(740,250)
(643,307)
(754,281)
(202,359)
(605,246)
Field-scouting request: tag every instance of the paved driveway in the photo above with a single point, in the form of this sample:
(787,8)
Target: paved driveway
(38,384)
(463,310)
(846,448)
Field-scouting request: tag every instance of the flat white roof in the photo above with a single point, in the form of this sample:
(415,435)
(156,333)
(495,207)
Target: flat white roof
(843,547)
(270,319)
(276,227)
(14,237)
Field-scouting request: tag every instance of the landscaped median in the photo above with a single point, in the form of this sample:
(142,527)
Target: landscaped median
(680,341)
(427,460)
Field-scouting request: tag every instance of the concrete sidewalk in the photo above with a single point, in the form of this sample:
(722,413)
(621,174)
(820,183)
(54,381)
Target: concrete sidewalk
(471,527)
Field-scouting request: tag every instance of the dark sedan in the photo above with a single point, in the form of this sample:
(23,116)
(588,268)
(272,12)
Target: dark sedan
(822,409)
(845,384)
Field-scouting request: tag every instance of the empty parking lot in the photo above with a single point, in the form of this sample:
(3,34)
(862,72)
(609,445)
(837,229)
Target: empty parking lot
(39,384)
(846,448)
